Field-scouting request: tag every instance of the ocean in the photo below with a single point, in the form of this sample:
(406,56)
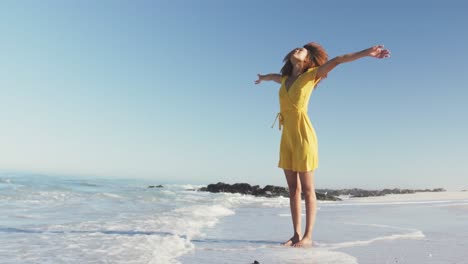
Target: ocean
(52,219)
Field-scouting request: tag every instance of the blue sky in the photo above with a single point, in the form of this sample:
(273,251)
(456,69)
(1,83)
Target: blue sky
(163,90)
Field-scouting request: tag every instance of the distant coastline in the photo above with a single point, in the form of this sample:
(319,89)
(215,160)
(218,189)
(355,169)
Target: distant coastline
(321,194)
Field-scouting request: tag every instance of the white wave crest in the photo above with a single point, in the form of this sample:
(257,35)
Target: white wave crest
(410,235)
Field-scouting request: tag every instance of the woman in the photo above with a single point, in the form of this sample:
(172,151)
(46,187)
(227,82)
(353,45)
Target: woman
(304,68)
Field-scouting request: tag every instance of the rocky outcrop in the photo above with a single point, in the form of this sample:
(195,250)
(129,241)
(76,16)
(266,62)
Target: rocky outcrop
(153,186)
(267,191)
(321,194)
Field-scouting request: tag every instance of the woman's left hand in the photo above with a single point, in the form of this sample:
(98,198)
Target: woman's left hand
(378,52)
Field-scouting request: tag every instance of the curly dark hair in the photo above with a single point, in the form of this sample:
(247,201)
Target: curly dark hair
(317,57)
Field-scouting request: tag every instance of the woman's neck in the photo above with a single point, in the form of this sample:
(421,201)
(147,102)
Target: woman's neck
(298,69)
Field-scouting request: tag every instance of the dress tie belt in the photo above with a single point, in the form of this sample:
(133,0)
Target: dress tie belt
(280,118)
(280,122)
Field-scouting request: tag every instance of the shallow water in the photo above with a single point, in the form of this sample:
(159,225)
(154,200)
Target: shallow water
(60,220)
(419,228)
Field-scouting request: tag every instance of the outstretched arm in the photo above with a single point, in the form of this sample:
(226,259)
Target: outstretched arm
(376,51)
(268,77)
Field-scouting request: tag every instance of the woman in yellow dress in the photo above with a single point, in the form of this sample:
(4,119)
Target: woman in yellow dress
(304,68)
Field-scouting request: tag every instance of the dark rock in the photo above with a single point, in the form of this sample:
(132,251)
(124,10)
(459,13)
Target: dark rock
(218,187)
(257,191)
(267,191)
(321,194)
(274,191)
(158,186)
(325,197)
(243,188)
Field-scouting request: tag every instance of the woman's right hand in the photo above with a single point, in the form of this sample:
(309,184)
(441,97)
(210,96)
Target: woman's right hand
(260,79)
(268,77)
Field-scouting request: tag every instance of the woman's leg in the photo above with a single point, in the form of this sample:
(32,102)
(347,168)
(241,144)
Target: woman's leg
(308,188)
(294,186)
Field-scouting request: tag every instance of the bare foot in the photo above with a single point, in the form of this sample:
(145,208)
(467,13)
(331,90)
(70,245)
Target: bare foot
(293,240)
(304,242)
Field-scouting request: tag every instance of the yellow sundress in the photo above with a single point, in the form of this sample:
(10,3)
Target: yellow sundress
(298,147)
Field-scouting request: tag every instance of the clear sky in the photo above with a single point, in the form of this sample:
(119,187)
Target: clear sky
(164,90)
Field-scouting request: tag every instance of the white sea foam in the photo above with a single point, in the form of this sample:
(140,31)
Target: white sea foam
(88,222)
(383,226)
(242,200)
(410,235)
(459,204)
(194,218)
(5,180)
(191,186)
(109,195)
(139,239)
(24,216)
(95,248)
(404,233)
